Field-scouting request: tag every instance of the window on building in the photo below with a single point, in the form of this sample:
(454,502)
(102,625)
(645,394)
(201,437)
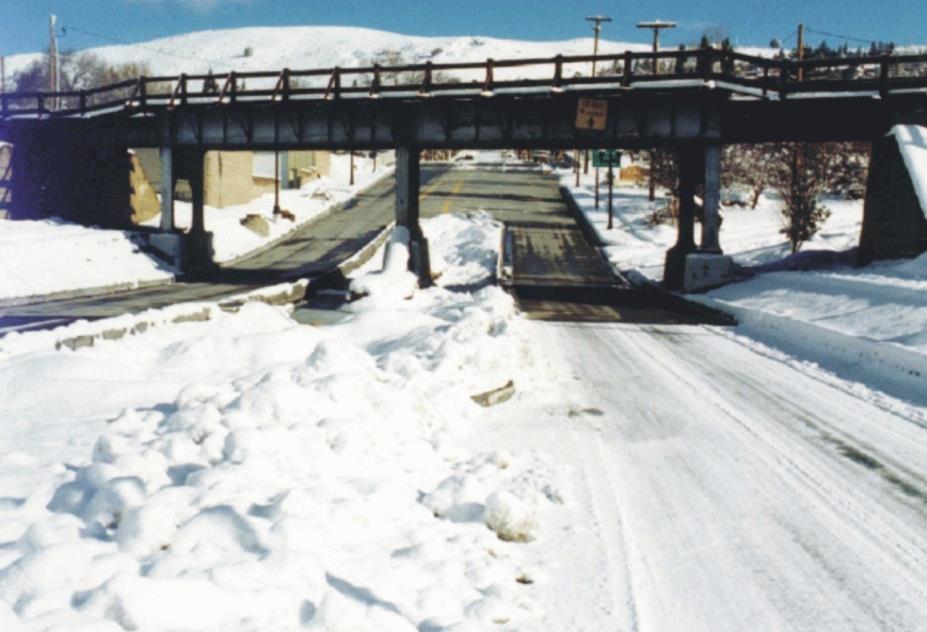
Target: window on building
(263,164)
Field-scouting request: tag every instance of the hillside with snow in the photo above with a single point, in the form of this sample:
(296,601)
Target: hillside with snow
(321,47)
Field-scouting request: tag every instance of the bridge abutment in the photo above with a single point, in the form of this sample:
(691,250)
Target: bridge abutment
(408,174)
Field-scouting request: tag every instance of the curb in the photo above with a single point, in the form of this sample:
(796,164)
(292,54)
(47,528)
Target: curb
(91,292)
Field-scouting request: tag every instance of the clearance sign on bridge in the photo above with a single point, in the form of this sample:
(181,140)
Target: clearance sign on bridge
(591,114)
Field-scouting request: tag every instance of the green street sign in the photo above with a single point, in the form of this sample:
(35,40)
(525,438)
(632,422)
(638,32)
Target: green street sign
(605,158)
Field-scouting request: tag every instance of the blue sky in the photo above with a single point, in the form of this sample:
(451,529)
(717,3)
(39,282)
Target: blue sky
(23,23)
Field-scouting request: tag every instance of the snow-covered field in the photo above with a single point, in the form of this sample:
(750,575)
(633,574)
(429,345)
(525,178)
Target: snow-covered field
(251,473)
(232,240)
(48,256)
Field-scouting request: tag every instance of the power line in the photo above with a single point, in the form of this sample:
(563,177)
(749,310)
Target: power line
(66,28)
(843,37)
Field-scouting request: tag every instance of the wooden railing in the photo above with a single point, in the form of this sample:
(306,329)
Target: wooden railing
(759,75)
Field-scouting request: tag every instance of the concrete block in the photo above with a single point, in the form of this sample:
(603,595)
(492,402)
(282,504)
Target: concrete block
(172,246)
(706,271)
(185,251)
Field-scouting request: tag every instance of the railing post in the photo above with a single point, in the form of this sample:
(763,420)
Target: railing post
(375,84)
(142,91)
(183,88)
(628,69)
(83,102)
(233,86)
(558,74)
(426,80)
(40,104)
(765,80)
(784,71)
(883,77)
(487,84)
(708,63)
(286,84)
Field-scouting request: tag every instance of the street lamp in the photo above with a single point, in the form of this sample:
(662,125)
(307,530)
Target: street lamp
(656,26)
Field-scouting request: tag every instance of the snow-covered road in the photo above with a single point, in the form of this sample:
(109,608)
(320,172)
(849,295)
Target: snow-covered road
(727,487)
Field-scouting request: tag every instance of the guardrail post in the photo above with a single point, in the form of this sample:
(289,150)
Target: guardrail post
(286,84)
(233,86)
(183,88)
(142,91)
(628,69)
(83,102)
(334,84)
(40,104)
(765,80)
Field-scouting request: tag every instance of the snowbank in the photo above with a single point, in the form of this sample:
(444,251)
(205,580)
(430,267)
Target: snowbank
(912,143)
(50,256)
(248,473)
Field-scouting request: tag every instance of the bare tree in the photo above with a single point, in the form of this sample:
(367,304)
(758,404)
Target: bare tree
(804,176)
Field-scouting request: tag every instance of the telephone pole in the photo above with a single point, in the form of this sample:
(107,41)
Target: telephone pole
(53,79)
(801,50)
(597,29)
(656,26)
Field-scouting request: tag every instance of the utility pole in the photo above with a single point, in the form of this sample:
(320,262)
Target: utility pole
(656,26)
(276,182)
(597,29)
(801,50)
(53,79)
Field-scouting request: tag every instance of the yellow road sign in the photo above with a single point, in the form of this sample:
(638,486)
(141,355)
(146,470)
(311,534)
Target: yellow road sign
(591,114)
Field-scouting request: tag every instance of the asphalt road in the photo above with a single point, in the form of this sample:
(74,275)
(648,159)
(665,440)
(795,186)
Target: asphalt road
(550,252)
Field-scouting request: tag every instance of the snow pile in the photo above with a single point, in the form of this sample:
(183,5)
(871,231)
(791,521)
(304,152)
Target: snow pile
(302,479)
(49,256)
(912,143)
(394,280)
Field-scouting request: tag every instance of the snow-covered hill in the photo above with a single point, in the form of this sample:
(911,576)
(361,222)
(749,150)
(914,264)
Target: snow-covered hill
(319,47)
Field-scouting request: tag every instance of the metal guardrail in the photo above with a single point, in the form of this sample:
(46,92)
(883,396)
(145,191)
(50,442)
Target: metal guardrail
(764,76)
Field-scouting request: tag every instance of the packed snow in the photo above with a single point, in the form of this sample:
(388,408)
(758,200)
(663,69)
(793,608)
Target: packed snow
(251,473)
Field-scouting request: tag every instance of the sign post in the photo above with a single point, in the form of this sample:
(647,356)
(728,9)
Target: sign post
(608,158)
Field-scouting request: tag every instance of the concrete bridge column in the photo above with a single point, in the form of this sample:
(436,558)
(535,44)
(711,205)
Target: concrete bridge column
(711,220)
(691,169)
(407,211)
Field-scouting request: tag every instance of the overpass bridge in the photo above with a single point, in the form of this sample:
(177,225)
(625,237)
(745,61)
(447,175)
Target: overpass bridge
(692,100)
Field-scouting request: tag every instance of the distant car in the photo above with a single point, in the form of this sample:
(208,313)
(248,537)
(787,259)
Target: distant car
(465,157)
